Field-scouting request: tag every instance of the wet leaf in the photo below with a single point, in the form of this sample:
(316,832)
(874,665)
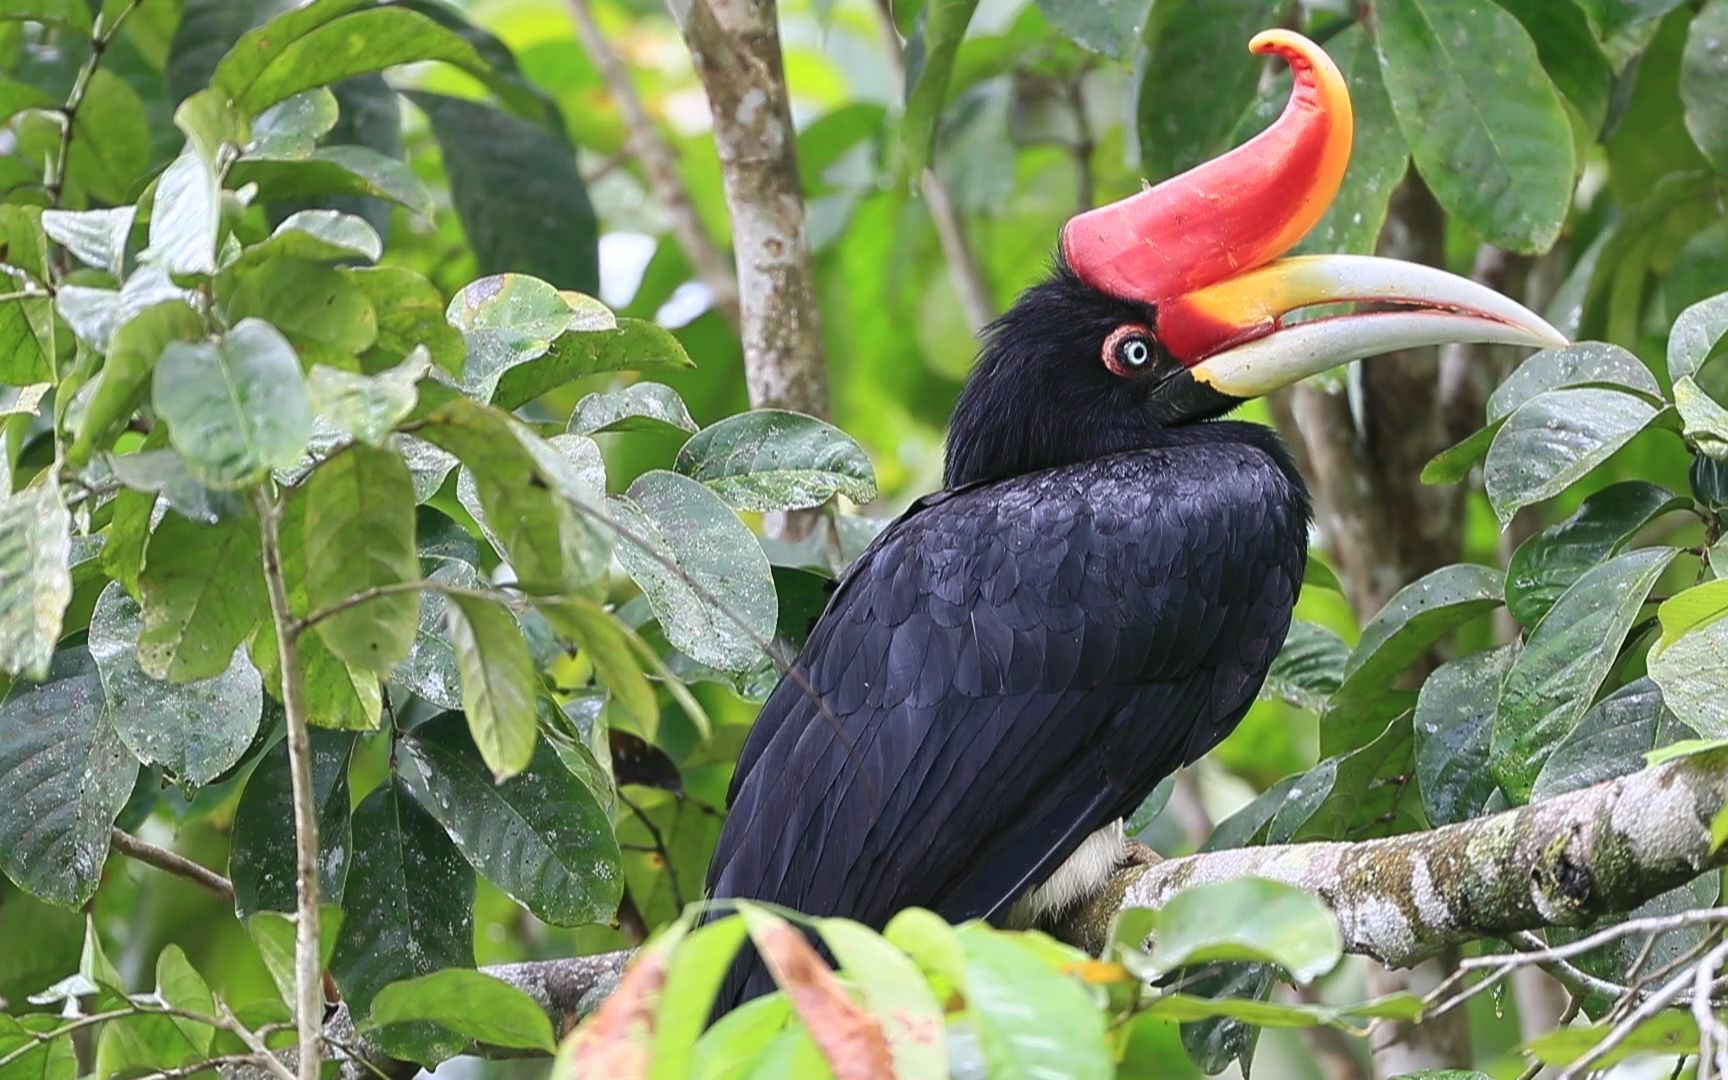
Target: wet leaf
(1554,439)
(1454,723)
(202,588)
(1249,919)
(35,577)
(643,406)
(769,459)
(499,682)
(1690,663)
(1309,668)
(360,536)
(1545,565)
(261,858)
(196,730)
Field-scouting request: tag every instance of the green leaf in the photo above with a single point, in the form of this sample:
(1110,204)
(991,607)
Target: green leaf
(894,992)
(71,14)
(1180,120)
(1547,564)
(56,1059)
(323,42)
(1719,830)
(930,51)
(272,932)
(95,314)
(1697,332)
(510,319)
(542,836)
(1031,1019)
(1567,656)
(498,682)
(321,312)
(64,775)
(770,459)
(430,669)
(1572,59)
(602,639)
(497,165)
(335,170)
(407,911)
(701,569)
(1556,438)
(1690,663)
(360,536)
(1610,740)
(1378,162)
(319,236)
(1355,795)
(203,591)
(1454,723)
(261,858)
(486,1010)
(27,339)
(1309,668)
(110,148)
(1683,748)
(1673,1033)
(293,126)
(695,966)
(1704,82)
(35,577)
(162,472)
(186,217)
(196,730)
(124,381)
(1484,124)
(1416,617)
(236,409)
(534,506)
(95,237)
(180,986)
(1269,1014)
(1248,919)
(410,314)
(643,406)
(1702,420)
(367,407)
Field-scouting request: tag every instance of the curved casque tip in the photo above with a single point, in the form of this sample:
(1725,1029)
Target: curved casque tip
(1235,212)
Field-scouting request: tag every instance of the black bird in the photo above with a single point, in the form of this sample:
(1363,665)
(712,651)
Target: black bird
(1094,598)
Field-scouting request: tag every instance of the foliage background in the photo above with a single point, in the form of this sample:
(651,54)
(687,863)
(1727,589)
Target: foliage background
(1568,152)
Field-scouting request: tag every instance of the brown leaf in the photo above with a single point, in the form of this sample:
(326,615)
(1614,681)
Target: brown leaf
(617,1041)
(849,1039)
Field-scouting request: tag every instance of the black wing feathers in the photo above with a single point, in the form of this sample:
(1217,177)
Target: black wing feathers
(1007,669)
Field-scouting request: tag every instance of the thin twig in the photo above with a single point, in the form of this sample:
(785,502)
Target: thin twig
(1651,1005)
(163,859)
(393,588)
(202,1066)
(1712,1035)
(99,39)
(255,1042)
(659,841)
(308,970)
(1655,924)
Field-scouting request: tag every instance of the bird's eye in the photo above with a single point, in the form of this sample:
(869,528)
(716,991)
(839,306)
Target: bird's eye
(1128,350)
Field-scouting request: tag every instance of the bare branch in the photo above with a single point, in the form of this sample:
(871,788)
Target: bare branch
(659,160)
(178,865)
(308,968)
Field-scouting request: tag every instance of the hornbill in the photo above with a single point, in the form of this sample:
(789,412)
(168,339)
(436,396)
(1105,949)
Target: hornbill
(1095,596)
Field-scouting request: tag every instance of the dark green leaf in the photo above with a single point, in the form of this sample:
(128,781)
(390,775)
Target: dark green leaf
(1610,740)
(430,669)
(700,568)
(410,314)
(110,148)
(261,858)
(1572,59)
(1704,82)
(293,126)
(1453,725)
(542,836)
(1415,618)
(314,306)
(35,579)
(929,66)
(498,682)
(488,1011)
(1378,162)
(1564,662)
(1309,667)
(1248,919)
(64,775)
(335,170)
(407,911)
(1354,796)
(360,536)
(534,505)
(1556,438)
(770,459)
(643,406)
(1483,122)
(203,591)
(236,409)
(1182,121)
(197,730)
(1547,564)
(499,166)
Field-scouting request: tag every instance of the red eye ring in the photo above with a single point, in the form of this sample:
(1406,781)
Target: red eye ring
(1127,352)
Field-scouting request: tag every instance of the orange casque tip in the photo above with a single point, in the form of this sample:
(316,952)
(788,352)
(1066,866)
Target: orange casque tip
(1235,212)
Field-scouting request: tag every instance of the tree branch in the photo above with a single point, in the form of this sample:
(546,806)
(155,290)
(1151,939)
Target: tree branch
(659,161)
(1401,899)
(308,968)
(178,865)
